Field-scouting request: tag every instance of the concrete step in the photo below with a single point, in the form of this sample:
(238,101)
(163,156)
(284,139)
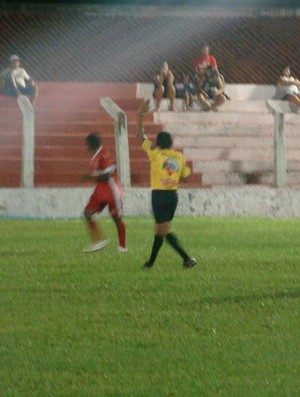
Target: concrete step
(81,116)
(11,140)
(61,102)
(236,106)
(65,179)
(11,179)
(58,152)
(221,142)
(236,166)
(8,152)
(213,118)
(11,117)
(8,103)
(293,165)
(95,90)
(65,116)
(83,129)
(293,155)
(10,165)
(236,179)
(219,130)
(229,154)
(68,152)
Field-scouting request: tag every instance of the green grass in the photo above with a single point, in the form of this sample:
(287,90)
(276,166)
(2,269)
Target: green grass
(77,325)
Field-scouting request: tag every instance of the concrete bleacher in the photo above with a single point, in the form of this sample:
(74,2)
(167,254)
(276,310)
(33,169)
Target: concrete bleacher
(231,147)
(10,142)
(65,114)
(234,146)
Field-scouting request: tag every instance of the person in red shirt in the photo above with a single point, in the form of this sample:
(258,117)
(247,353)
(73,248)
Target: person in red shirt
(204,60)
(107,193)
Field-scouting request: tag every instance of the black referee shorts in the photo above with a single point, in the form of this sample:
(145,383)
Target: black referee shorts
(164,204)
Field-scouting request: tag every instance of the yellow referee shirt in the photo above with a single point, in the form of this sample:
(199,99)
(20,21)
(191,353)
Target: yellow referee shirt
(167,166)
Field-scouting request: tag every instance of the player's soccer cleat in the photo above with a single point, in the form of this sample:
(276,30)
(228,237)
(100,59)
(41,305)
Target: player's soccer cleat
(98,245)
(148,265)
(188,263)
(122,249)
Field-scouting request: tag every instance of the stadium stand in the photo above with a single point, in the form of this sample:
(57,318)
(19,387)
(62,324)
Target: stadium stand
(74,59)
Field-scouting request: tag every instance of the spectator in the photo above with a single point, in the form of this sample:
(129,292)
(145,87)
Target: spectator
(186,90)
(289,87)
(164,86)
(17,81)
(204,60)
(168,166)
(211,90)
(107,193)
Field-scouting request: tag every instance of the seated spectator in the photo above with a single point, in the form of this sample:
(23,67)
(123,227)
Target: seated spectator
(203,61)
(17,82)
(164,86)
(289,87)
(186,90)
(211,90)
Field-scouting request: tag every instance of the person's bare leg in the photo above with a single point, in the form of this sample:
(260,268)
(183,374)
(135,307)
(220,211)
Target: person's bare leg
(158,94)
(171,96)
(186,101)
(206,105)
(121,229)
(191,101)
(94,230)
(219,101)
(294,99)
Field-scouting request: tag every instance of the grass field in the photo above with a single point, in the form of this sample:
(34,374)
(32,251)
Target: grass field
(75,324)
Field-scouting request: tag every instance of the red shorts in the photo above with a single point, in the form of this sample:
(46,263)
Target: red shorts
(110,194)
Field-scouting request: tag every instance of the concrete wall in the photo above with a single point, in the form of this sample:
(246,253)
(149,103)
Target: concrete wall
(69,203)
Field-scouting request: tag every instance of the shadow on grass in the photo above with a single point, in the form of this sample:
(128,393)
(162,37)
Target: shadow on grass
(292,294)
(18,253)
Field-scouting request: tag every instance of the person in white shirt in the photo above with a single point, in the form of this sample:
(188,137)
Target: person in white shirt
(17,81)
(289,87)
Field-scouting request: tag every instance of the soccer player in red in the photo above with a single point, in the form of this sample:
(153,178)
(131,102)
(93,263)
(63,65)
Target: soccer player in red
(107,193)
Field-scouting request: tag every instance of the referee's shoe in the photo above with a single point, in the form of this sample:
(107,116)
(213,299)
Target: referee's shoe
(190,262)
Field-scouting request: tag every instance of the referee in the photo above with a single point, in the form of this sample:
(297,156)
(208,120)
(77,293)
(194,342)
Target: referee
(167,167)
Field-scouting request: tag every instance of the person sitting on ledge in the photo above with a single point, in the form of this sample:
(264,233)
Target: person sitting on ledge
(289,87)
(164,86)
(17,82)
(186,90)
(211,90)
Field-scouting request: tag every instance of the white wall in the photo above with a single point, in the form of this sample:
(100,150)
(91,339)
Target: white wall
(69,203)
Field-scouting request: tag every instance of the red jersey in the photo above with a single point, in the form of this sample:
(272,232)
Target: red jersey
(107,193)
(102,162)
(203,61)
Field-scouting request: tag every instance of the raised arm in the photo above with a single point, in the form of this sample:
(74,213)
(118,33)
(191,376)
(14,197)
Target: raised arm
(143,110)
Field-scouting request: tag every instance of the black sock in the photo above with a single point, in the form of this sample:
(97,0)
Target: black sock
(157,243)
(175,243)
